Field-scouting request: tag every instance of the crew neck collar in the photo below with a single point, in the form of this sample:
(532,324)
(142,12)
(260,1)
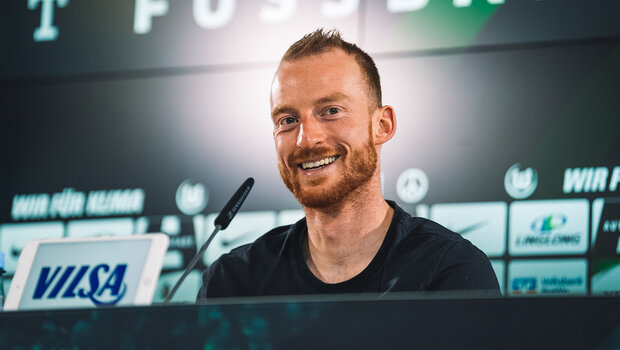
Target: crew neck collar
(354,284)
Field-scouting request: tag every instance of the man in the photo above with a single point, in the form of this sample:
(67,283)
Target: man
(329,127)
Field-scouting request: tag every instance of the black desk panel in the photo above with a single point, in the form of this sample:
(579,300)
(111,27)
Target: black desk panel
(394,322)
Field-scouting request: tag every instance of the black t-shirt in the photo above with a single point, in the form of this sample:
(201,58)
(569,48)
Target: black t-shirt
(416,255)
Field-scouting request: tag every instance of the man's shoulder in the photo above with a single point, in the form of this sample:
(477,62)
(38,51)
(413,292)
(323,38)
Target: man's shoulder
(425,237)
(438,257)
(421,229)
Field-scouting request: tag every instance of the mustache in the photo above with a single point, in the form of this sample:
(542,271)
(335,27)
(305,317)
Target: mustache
(304,155)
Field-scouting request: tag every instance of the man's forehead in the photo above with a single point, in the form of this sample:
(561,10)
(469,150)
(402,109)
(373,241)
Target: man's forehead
(320,68)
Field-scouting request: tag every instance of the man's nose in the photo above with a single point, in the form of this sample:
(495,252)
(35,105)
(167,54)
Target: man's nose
(310,134)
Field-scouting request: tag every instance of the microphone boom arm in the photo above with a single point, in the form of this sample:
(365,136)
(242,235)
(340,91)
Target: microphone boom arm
(221,223)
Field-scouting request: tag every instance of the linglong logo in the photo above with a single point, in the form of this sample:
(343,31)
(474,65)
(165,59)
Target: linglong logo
(547,223)
(109,293)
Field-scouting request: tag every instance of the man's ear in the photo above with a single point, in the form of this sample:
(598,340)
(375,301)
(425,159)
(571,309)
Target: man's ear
(385,124)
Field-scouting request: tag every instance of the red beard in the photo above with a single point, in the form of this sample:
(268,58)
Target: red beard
(359,166)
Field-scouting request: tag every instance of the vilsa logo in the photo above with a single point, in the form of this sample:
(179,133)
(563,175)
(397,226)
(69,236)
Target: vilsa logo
(108,293)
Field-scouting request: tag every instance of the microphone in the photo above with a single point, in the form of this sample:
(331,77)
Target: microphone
(232,207)
(221,223)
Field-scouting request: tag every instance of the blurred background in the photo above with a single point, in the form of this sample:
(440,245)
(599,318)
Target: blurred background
(126,117)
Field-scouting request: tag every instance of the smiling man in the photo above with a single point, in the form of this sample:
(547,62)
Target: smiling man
(329,127)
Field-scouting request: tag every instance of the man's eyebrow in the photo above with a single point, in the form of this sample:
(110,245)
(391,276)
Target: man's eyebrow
(287,109)
(282,109)
(337,96)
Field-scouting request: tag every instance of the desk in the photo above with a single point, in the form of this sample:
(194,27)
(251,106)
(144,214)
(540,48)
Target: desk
(358,322)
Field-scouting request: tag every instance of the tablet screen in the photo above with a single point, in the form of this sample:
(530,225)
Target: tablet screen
(85,274)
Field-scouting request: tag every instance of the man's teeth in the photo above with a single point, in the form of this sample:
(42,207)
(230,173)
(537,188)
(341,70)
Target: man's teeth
(318,163)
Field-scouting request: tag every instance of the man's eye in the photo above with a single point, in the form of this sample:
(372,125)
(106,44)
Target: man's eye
(333,110)
(288,120)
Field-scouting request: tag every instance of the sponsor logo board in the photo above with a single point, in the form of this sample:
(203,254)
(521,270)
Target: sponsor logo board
(548,227)
(100,227)
(483,224)
(422,211)
(562,276)
(76,276)
(187,290)
(13,238)
(244,229)
(500,272)
(173,260)
(606,226)
(606,277)
(289,216)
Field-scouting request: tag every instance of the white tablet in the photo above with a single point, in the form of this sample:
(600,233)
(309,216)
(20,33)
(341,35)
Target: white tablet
(87,272)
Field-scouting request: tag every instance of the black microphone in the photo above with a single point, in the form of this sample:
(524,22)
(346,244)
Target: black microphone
(232,207)
(221,223)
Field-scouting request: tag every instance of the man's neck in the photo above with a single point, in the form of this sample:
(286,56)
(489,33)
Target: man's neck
(344,238)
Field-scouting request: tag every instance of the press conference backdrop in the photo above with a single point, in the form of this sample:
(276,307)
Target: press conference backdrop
(122,117)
